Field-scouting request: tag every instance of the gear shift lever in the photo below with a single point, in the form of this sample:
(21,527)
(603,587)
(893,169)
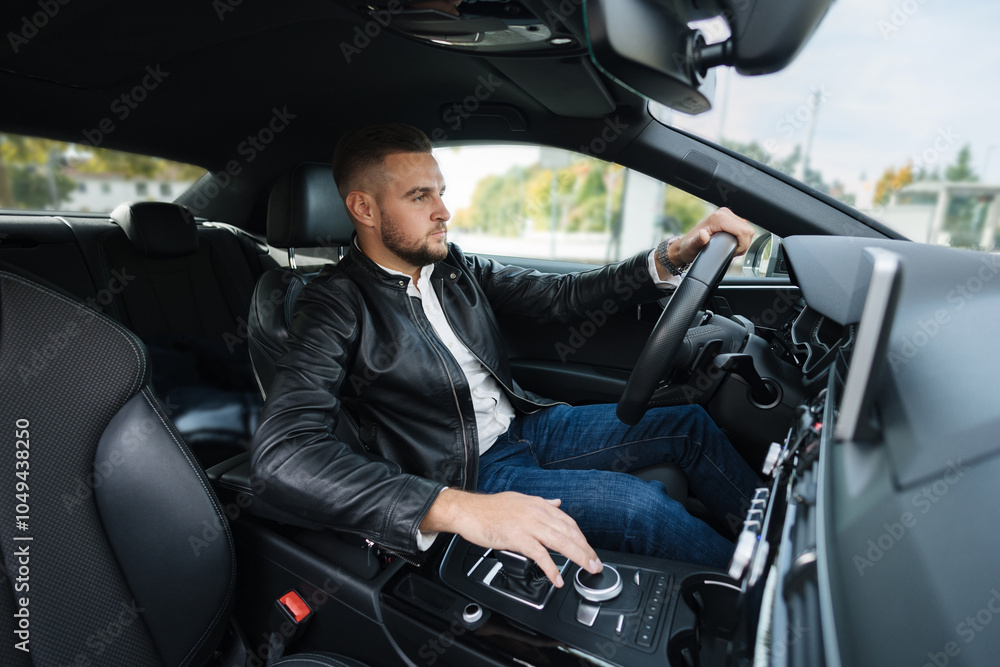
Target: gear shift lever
(521,577)
(515,564)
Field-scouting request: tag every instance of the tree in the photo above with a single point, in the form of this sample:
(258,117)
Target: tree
(891,182)
(685,208)
(25,178)
(521,198)
(961,171)
(32,187)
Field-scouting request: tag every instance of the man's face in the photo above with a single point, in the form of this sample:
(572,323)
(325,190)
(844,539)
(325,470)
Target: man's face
(413,215)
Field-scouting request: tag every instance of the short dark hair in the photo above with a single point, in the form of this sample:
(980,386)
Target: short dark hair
(362,151)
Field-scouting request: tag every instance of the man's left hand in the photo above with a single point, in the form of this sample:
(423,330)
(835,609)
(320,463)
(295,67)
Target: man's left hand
(687,248)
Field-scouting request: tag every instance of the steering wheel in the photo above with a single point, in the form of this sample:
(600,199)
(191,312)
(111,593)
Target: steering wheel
(659,355)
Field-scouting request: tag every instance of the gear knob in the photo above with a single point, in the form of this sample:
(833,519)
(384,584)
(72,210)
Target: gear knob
(515,565)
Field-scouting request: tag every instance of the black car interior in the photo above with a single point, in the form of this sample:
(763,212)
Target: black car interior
(137,346)
(362,589)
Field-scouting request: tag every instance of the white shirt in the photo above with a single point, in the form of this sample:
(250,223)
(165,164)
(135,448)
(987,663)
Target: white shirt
(493,409)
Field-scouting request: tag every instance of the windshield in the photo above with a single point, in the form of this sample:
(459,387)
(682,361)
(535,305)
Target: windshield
(42,174)
(890,107)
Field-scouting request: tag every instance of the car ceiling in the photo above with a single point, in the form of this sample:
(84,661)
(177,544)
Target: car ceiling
(227,66)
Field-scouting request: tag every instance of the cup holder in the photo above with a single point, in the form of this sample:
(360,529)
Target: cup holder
(706,620)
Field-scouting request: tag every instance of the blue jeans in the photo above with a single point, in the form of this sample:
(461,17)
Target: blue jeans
(579,454)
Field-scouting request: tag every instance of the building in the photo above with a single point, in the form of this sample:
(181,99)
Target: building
(964,215)
(103,192)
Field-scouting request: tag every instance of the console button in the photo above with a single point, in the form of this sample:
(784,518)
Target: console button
(605,585)
(741,556)
(771,460)
(586,613)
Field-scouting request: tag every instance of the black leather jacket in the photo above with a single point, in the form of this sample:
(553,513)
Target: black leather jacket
(357,341)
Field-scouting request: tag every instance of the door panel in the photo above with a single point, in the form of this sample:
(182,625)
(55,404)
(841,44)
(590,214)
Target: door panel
(589,361)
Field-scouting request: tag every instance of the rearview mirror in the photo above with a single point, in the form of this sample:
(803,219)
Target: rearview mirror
(645,49)
(649,47)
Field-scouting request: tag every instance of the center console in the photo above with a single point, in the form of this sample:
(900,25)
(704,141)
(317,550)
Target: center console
(637,611)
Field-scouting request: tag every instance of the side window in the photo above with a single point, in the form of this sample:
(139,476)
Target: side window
(535,202)
(44,174)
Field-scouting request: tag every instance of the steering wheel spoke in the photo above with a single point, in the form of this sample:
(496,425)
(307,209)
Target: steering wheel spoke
(659,355)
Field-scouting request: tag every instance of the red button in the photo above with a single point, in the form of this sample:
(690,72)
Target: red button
(295,605)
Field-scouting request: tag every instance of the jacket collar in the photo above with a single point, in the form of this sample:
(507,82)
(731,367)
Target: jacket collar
(355,257)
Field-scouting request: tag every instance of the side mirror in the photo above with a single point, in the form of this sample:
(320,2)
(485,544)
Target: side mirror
(765,258)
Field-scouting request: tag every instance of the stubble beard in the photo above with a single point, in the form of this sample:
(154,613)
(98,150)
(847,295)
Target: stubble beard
(418,253)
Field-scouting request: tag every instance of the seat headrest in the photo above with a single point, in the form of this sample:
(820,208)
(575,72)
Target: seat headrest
(305,210)
(158,229)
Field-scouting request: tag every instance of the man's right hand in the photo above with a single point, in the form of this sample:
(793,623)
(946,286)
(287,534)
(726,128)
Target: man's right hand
(516,522)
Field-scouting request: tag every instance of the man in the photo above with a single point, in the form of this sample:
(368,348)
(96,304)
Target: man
(402,333)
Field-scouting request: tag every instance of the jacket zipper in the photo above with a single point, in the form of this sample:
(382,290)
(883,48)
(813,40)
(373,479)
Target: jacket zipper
(485,365)
(396,554)
(451,382)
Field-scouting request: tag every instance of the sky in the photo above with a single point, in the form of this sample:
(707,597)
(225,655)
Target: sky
(900,79)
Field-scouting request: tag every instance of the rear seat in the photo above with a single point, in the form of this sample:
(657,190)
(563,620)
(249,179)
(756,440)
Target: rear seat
(184,288)
(188,298)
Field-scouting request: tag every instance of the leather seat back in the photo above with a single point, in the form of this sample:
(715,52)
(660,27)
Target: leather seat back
(305,211)
(126,555)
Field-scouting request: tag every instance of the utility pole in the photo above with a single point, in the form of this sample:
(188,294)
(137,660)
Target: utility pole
(810,133)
